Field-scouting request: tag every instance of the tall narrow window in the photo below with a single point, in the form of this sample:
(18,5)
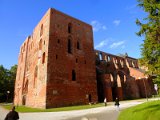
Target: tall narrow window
(78,45)
(43,58)
(109,59)
(40,44)
(90,98)
(41,31)
(73,75)
(100,56)
(69,28)
(69,46)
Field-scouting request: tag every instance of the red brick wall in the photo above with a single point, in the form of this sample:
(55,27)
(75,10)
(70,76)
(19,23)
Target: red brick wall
(61,90)
(34,92)
(45,68)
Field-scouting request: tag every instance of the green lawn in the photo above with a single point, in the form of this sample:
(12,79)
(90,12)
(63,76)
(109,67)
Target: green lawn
(145,111)
(27,109)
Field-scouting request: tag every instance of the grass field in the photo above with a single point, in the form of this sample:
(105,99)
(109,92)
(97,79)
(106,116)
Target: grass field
(27,109)
(145,111)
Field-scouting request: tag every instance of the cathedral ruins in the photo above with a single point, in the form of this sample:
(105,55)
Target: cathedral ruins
(58,66)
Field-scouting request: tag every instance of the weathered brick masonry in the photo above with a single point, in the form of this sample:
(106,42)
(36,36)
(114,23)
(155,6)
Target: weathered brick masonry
(57,67)
(120,76)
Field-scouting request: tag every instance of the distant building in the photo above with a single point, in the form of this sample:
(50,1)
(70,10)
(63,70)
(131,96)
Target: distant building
(58,66)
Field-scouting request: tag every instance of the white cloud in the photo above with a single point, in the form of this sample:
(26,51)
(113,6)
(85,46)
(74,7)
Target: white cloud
(97,26)
(116,22)
(102,44)
(117,44)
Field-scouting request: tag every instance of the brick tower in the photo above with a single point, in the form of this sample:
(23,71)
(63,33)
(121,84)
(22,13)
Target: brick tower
(56,65)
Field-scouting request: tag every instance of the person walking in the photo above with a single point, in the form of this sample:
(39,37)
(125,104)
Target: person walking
(105,101)
(117,103)
(12,115)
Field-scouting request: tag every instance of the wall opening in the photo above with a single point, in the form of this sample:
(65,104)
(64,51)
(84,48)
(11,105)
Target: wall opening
(69,28)
(40,44)
(105,57)
(73,75)
(58,41)
(78,45)
(108,58)
(69,46)
(90,98)
(41,31)
(43,58)
(24,100)
(100,56)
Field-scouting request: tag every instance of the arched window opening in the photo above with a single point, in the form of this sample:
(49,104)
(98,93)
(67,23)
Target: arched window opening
(133,64)
(43,58)
(105,57)
(108,58)
(122,63)
(69,28)
(100,56)
(69,46)
(111,77)
(119,84)
(73,75)
(41,31)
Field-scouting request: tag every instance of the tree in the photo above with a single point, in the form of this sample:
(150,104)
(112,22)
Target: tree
(7,82)
(150,28)
(11,80)
(3,81)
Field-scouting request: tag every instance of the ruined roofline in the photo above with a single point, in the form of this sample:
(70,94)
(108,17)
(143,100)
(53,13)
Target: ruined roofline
(27,38)
(49,11)
(53,9)
(114,55)
(131,57)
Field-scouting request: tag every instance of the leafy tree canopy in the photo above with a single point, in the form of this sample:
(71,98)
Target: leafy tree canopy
(150,28)
(7,81)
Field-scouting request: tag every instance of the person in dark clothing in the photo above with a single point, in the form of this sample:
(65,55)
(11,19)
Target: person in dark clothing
(12,115)
(117,103)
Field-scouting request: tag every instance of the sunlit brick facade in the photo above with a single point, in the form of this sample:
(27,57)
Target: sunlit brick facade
(58,66)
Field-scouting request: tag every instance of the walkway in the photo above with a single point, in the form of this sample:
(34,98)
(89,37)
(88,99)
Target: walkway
(101,113)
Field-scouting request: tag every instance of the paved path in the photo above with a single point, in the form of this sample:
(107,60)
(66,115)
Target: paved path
(101,113)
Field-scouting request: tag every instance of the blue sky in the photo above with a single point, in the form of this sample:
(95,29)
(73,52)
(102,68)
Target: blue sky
(113,24)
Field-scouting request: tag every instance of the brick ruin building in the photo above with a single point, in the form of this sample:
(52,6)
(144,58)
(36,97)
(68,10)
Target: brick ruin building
(58,66)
